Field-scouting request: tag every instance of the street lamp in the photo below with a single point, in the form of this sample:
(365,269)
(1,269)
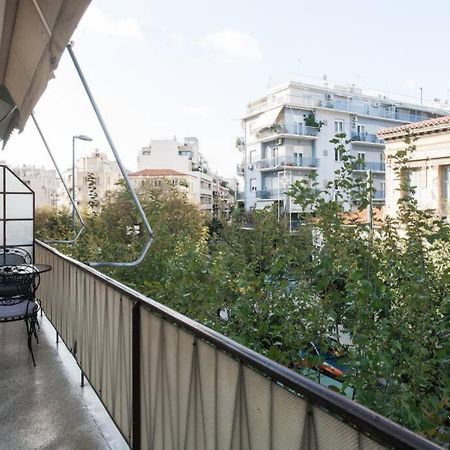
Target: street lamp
(81,137)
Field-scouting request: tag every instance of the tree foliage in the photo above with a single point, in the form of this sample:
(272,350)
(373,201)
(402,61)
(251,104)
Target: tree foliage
(275,291)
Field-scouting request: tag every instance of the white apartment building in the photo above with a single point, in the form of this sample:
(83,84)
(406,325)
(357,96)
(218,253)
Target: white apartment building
(42,181)
(184,158)
(287,136)
(106,174)
(165,177)
(428,166)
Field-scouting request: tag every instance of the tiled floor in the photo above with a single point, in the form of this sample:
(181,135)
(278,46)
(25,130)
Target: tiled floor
(44,406)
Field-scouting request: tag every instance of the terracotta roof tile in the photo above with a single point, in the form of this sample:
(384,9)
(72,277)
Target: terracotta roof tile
(155,173)
(426,126)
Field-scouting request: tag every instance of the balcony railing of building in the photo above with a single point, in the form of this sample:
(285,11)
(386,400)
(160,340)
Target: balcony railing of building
(240,196)
(366,137)
(240,169)
(292,129)
(369,109)
(289,161)
(169,382)
(367,165)
(379,195)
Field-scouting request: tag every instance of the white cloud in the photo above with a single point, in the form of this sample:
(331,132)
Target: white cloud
(202,111)
(233,45)
(96,21)
(410,83)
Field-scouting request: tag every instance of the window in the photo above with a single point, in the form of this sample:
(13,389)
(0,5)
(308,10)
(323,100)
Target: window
(360,129)
(361,161)
(338,126)
(298,128)
(298,159)
(252,184)
(251,156)
(337,155)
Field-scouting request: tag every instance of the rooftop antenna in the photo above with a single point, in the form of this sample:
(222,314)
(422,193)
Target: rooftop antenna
(421,96)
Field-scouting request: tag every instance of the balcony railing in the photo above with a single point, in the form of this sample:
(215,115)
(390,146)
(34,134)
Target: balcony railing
(376,111)
(169,382)
(373,166)
(366,137)
(270,194)
(378,195)
(293,129)
(287,161)
(240,169)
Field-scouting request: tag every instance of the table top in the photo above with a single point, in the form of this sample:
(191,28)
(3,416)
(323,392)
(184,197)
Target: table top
(24,269)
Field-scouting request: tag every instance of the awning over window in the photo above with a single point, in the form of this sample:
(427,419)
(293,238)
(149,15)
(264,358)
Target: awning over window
(33,36)
(267,118)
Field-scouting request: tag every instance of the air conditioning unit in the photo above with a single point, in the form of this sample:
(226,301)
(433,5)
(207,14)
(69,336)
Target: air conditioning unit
(329,97)
(279,141)
(250,167)
(354,121)
(376,104)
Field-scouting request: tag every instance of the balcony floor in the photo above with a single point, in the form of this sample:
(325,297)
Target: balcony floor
(44,406)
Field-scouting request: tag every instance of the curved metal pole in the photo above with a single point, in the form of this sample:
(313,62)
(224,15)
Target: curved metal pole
(122,169)
(75,208)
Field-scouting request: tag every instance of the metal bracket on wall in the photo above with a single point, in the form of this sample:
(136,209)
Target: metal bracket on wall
(76,233)
(122,169)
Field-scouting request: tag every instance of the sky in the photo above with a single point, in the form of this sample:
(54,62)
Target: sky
(168,68)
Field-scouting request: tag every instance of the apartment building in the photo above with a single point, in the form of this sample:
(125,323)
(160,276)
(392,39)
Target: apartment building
(287,136)
(224,195)
(165,177)
(105,172)
(184,158)
(428,167)
(42,181)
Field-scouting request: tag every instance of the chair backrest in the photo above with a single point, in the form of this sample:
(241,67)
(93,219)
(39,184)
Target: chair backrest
(17,284)
(14,257)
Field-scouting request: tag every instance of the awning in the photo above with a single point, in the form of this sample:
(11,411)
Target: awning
(267,119)
(33,36)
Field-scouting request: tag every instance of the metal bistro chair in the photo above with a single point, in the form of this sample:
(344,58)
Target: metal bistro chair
(18,286)
(14,256)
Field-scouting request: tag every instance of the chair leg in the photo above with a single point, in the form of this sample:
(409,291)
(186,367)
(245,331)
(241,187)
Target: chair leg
(30,334)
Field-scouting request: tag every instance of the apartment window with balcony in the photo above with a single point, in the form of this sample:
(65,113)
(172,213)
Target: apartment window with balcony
(360,129)
(361,161)
(338,126)
(337,155)
(298,159)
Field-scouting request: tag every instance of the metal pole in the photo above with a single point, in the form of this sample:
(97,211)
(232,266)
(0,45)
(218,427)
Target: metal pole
(122,169)
(74,192)
(65,187)
(370,205)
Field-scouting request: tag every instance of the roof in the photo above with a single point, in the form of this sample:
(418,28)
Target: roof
(156,173)
(425,127)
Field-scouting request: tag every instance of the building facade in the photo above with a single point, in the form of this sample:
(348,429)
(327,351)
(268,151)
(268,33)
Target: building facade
(104,172)
(165,177)
(287,137)
(169,154)
(42,181)
(428,166)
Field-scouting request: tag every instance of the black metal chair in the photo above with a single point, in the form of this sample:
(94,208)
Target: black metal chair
(17,299)
(14,256)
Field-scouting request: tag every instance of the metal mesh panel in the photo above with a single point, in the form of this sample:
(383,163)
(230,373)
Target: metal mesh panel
(332,433)
(94,320)
(288,417)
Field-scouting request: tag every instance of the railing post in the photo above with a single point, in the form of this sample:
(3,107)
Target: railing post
(136,375)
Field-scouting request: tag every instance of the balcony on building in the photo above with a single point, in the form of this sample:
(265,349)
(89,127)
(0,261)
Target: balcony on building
(378,196)
(366,139)
(287,162)
(364,166)
(240,169)
(297,131)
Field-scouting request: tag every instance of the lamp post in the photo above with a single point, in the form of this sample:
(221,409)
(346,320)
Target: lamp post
(81,137)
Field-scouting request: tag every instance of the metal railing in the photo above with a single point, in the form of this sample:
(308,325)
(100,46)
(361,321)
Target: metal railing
(294,129)
(379,195)
(368,165)
(366,137)
(288,161)
(369,109)
(169,382)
